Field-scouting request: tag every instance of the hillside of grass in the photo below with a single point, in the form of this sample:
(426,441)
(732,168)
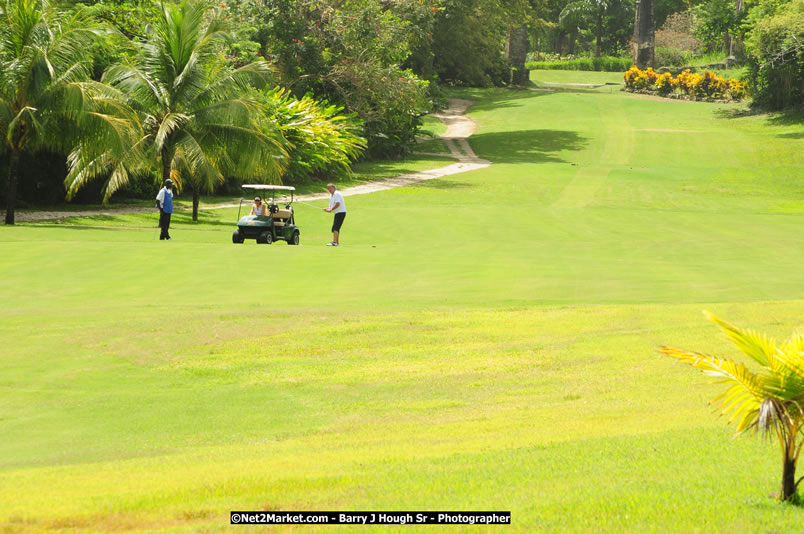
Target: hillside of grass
(483,341)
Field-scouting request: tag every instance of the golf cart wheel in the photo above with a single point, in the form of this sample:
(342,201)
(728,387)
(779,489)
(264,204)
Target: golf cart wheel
(265,238)
(294,239)
(237,237)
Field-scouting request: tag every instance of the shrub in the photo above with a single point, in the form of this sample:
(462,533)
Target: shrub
(601,64)
(707,85)
(712,85)
(775,47)
(668,57)
(323,140)
(664,85)
(678,33)
(736,89)
(630,77)
(688,82)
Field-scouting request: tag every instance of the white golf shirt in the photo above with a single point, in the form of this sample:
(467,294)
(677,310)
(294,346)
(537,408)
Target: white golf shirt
(334,199)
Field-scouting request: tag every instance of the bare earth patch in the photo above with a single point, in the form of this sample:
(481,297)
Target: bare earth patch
(667,130)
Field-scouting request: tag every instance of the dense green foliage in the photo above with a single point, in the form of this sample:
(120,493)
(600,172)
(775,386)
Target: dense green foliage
(775,46)
(160,100)
(322,141)
(386,63)
(199,120)
(44,95)
(602,63)
(591,27)
(351,53)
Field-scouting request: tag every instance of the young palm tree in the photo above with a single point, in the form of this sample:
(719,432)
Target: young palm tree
(200,119)
(771,401)
(44,68)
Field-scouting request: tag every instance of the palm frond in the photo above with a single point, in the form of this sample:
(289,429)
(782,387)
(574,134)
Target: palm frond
(195,162)
(144,91)
(168,126)
(255,74)
(743,398)
(754,345)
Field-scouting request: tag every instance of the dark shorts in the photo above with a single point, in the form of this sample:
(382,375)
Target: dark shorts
(337,222)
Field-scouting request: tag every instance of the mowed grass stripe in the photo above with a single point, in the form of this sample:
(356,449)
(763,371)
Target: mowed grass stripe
(469,347)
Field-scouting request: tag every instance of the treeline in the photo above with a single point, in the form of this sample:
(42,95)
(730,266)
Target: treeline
(318,83)
(103,98)
(766,36)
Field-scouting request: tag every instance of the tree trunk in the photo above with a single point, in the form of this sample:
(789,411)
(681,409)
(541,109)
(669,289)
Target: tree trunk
(735,45)
(11,194)
(516,51)
(196,200)
(166,164)
(788,477)
(644,34)
(599,32)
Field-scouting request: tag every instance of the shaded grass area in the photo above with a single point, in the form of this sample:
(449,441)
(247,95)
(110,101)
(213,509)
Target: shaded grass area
(482,341)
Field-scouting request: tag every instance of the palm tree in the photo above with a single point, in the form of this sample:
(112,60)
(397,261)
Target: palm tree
(201,120)
(770,401)
(44,93)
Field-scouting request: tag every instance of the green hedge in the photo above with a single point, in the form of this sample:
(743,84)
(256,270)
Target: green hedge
(607,64)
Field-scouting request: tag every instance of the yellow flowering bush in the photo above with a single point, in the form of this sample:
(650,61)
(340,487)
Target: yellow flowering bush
(736,89)
(688,82)
(712,85)
(630,77)
(640,79)
(637,79)
(652,76)
(706,85)
(664,84)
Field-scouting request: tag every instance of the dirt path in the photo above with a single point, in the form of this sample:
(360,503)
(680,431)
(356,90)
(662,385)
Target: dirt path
(459,127)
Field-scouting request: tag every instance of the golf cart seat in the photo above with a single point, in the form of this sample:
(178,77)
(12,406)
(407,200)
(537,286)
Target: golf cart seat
(281,216)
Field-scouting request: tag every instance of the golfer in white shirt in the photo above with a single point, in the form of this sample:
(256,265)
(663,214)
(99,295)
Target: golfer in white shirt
(338,206)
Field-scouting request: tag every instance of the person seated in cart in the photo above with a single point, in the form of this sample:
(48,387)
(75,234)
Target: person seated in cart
(259,207)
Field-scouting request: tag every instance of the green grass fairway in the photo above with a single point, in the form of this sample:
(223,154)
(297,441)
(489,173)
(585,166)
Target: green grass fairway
(484,341)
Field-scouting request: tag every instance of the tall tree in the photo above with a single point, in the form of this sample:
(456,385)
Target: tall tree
(644,34)
(522,16)
(43,66)
(201,120)
(516,51)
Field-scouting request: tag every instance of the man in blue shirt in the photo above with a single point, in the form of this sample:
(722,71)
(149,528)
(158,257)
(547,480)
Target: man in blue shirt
(164,201)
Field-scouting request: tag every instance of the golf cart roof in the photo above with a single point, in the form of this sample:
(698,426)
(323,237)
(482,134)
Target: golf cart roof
(266,187)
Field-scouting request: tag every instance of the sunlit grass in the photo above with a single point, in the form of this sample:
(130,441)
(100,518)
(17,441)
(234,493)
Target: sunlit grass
(481,341)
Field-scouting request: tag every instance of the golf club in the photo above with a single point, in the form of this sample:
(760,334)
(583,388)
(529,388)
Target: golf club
(308,204)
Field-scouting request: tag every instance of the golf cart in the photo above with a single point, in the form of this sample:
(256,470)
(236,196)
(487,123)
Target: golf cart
(280,223)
